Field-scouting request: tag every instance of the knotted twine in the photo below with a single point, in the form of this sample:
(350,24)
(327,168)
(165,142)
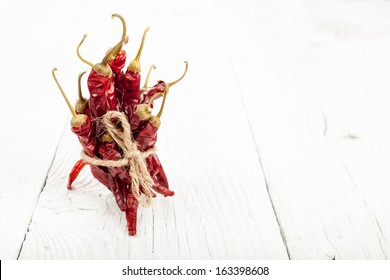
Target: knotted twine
(132,157)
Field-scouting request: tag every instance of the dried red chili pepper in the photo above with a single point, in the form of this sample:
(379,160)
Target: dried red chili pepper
(117,60)
(81,106)
(80,164)
(100,173)
(101,83)
(153,93)
(128,87)
(132,78)
(83,126)
(102,99)
(146,137)
(102,94)
(108,150)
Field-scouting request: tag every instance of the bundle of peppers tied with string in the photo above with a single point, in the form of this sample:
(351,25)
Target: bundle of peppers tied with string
(118,130)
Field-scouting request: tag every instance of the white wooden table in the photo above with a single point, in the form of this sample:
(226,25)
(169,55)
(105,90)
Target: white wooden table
(277,143)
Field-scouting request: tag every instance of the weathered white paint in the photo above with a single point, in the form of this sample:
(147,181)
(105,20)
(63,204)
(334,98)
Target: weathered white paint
(320,120)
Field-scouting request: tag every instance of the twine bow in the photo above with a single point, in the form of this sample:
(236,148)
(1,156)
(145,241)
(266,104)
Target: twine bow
(132,157)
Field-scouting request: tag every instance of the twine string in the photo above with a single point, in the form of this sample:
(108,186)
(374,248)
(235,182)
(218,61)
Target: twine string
(132,157)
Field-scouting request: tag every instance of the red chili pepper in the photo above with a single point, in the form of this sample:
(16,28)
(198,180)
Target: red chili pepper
(103,96)
(131,214)
(83,128)
(103,99)
(81,124)
(132,79)
(117,60)
(155,92)
(101,84)
(101,174)
(128,87)
(116,188)
(158,175)
(75,172)
(146,136)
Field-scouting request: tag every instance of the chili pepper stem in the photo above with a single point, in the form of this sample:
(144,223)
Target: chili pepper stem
(114,49)
(63,93)
(168,85)
(81,98)
(163,103)
(134,65)
(123,32)
(178,80)
(81,103)
(123,24)
(145,87)
(102,68)
(78,52)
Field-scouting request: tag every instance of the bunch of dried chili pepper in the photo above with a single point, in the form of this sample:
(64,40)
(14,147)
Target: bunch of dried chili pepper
(117,129)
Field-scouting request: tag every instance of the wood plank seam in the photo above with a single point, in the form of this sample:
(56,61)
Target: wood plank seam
(40,192)
(355,185)
(229,55)
(353,137)
(282,233)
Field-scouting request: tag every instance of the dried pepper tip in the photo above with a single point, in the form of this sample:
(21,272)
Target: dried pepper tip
(78,52)
(123,35)
(63,93)
(134,65)
(145,87)
(81,103)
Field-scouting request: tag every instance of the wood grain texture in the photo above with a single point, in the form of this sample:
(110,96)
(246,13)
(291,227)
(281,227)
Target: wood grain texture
(28,144)
(276,143)
(221,209)
(320,120)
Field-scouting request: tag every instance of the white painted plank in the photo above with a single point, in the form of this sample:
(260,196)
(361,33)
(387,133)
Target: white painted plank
(319,113)
(28,143)
(221,209)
